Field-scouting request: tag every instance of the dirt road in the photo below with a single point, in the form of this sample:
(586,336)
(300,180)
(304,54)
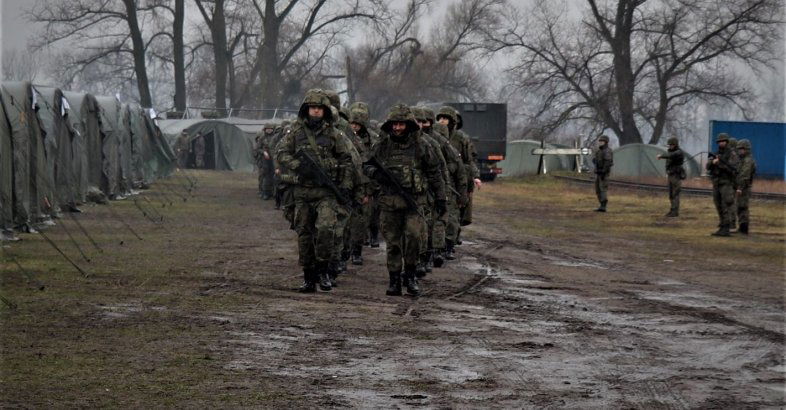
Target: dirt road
(205,313)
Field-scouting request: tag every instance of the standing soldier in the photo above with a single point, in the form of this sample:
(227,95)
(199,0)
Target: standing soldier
(722,167)
(603,160)
(746,171)
(264,160)
(676,173)
(406,168)
(360,221)
(181,149)
(317,216)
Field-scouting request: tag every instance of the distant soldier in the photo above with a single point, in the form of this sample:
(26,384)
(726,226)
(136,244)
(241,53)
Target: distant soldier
(411,171)
(603,159)
(675,172)
(745,173)
(318,215)
(199,151)
(733,147)
(722,167)
(264,160)
(360,221)
(182,148)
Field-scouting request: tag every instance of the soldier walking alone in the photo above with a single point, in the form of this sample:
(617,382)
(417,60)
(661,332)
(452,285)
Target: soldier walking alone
(318,215)
(675,172)
(722,167)
(406,168)
(603,160)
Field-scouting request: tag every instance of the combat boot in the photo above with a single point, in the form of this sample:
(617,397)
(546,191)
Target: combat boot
(309,284)
(420,269)
(324,277)
(458,237)
(439,258)
(333,272)
(394,289)
(450,252)
(411,282)
(723,231)
(374,239)
(430,262)
(743,228)
(673,213)
(602,207)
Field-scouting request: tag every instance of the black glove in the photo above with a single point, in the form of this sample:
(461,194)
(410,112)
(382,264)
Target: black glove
(441,206)
(304,170)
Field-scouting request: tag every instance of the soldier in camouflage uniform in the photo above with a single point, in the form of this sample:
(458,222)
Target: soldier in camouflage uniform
(448,117)
(263,154)
(456,190)
(364,140)
(745,172)
(473,174)
(733,146)
(676,173)
(603,159)
(722,167)
(318,216)
(413,164)
(279,187)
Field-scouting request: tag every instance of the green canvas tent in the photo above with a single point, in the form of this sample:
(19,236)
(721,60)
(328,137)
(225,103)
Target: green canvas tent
(6,173)
(31,187)
(639,160)
(110,145)
(519,159)
(82,117)
(55,122)
(152,156)
(227,146)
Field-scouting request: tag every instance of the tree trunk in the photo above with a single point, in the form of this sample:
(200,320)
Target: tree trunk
(623,72)
(179,57)
(219,36)
(271,76)
(140,66)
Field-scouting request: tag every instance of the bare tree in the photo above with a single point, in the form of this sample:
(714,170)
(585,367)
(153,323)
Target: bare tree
(628,64)
(20,66)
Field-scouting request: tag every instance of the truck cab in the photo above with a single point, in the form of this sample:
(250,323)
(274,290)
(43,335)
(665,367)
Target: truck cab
(486,124)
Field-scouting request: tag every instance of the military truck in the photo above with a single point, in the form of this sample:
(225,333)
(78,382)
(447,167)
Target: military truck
(486,123)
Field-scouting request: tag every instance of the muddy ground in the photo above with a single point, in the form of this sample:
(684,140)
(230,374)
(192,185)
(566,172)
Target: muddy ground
(203,312)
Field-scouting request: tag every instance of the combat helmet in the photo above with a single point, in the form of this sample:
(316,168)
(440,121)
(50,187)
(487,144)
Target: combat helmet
(449,113)
(400,113)
(732,142)
(359,105)
(316,96)
(335,100)
(744,143)
(604,137)
(418,113)
(359,116)
(673,141)
(722,137)
(429,114)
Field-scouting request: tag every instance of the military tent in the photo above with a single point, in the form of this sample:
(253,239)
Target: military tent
(640,160)
(54,121)
(31,187)
(110,116)
(152,156)
(83,120)
(519,159)
(227,147)
(6,173)
(125,171)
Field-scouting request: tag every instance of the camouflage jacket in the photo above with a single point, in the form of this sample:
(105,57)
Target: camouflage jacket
(603,159)
(745,172)
(725,171)
(674,160)
(456,170)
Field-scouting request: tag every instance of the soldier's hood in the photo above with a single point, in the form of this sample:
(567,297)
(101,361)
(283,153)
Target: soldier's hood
(400,113)
(319,98)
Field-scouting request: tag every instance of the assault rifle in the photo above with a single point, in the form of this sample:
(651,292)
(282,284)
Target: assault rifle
(711,156)
(324,179)
(387,178)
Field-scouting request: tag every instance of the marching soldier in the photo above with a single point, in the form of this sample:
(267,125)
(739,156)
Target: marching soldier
(746,171)
(676,173)
(264,160)
(318,186)
(361,220)
(603,159)
(722,167)
(406,168)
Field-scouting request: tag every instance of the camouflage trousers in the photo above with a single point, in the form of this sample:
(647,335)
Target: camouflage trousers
(743,210)
(319,224)
(602,187)
(266,177)
(403,230)
(452,222)
(437,228)
(723,197)
(374,215)
(287,203)
(358,227)
(466,212)
(675,187)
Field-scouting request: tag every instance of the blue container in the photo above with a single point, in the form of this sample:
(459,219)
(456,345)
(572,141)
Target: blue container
(768,143)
